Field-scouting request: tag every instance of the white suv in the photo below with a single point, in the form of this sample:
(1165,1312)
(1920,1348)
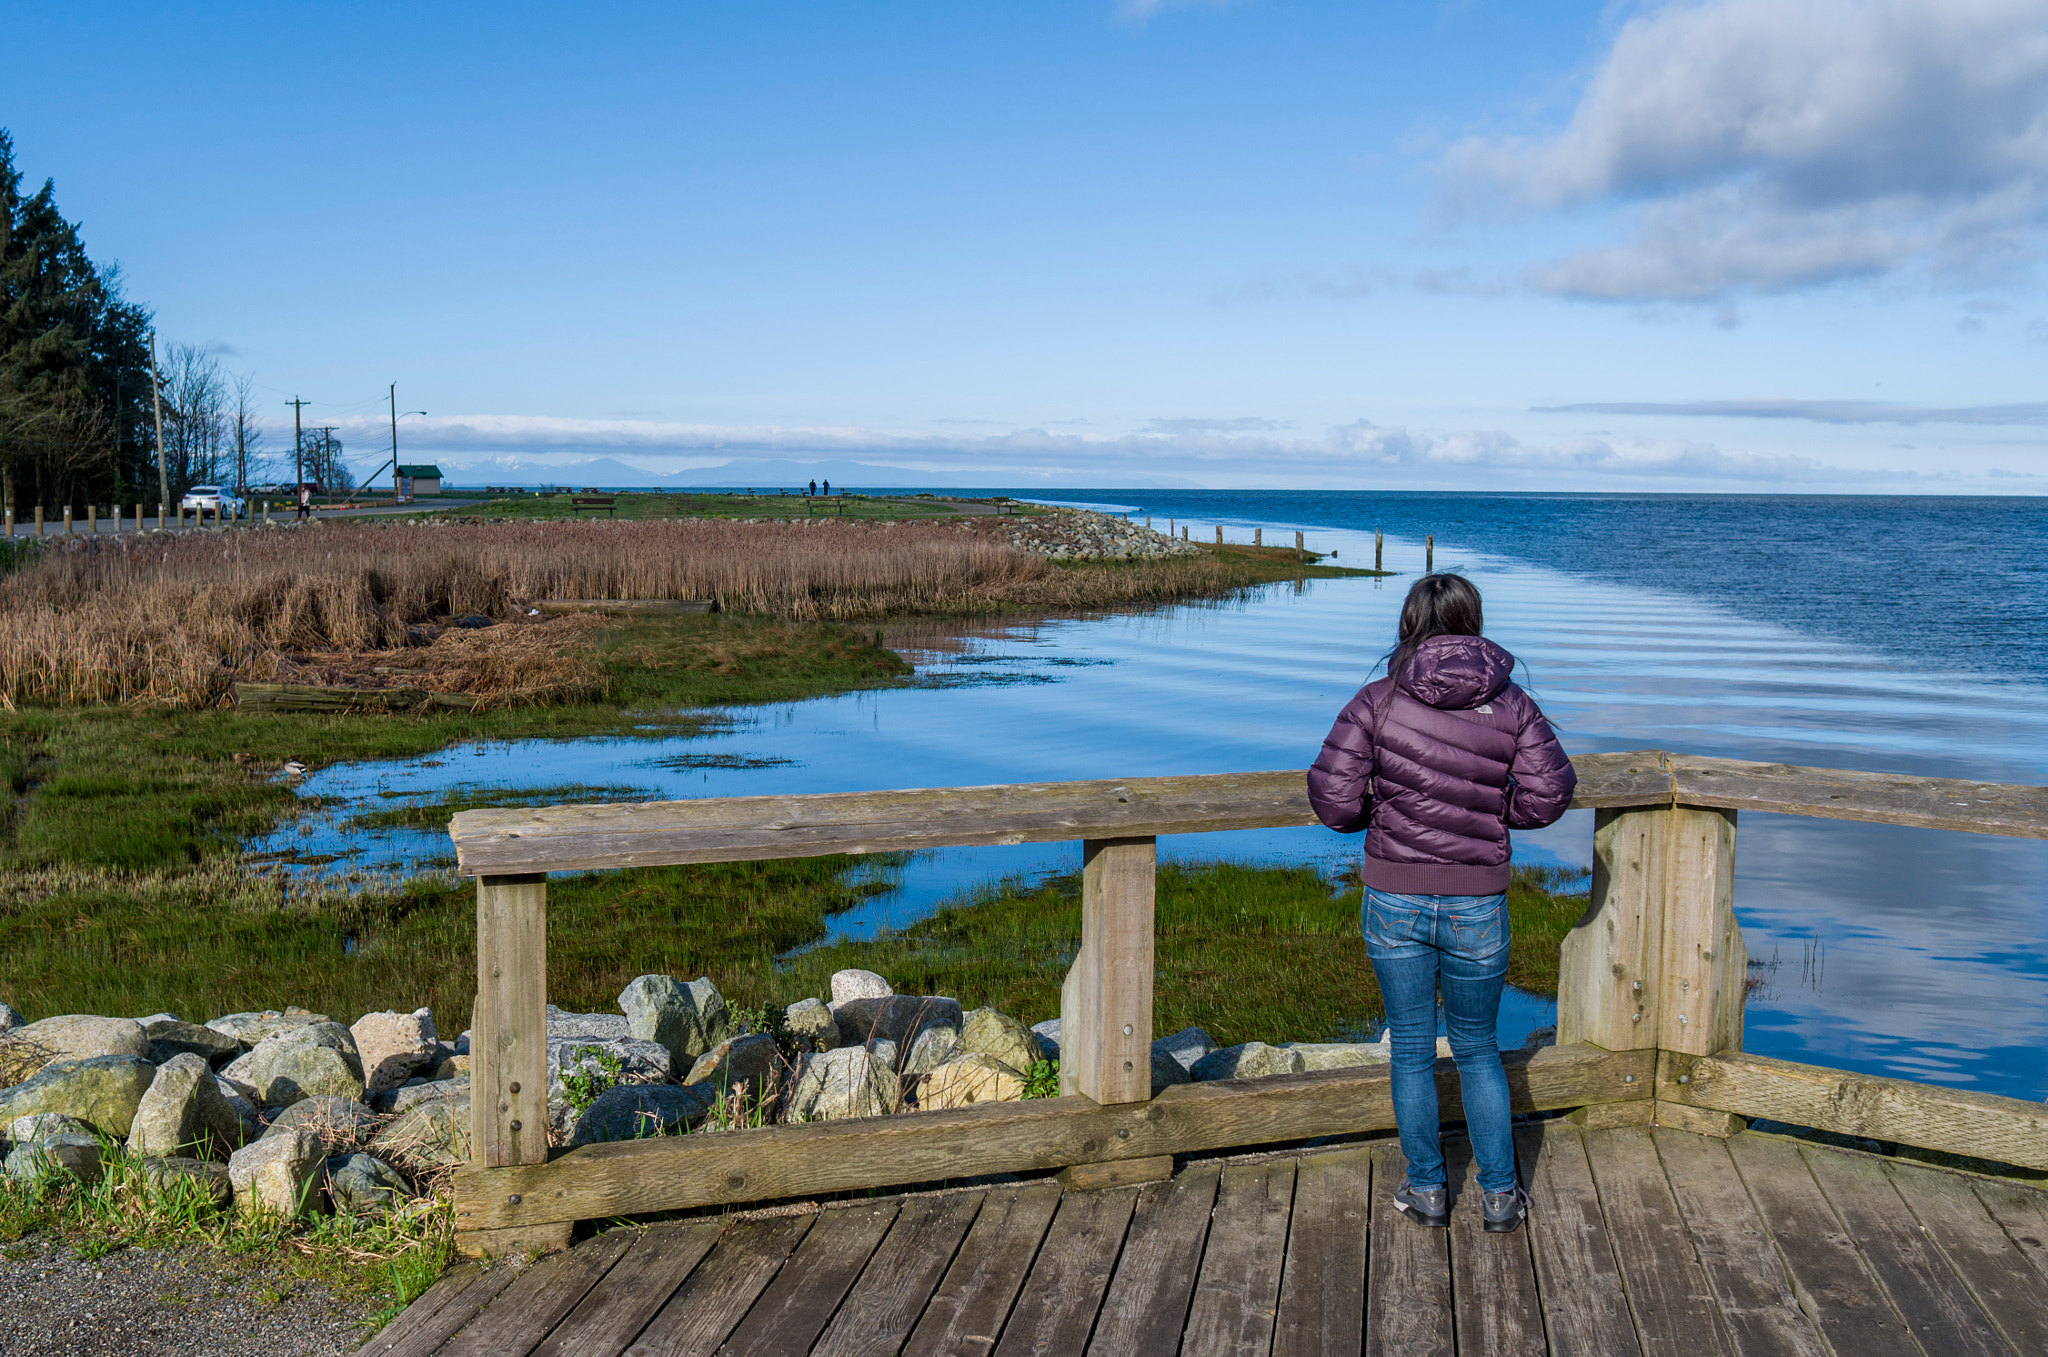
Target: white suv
(214,500)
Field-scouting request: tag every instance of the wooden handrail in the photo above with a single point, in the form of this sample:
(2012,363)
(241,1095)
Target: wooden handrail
(739,828)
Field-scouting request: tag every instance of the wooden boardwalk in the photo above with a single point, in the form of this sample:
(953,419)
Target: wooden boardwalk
(1640,1241)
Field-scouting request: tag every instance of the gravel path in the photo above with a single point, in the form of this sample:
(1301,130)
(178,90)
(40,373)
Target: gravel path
(164,1303)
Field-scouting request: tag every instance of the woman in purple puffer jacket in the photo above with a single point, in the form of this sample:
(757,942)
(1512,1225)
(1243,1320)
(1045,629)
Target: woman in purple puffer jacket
(1436,762)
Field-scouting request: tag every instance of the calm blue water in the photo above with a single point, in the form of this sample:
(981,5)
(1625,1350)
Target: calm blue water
(1882,634)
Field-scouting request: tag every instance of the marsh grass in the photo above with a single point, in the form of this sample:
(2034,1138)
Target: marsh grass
(175,620)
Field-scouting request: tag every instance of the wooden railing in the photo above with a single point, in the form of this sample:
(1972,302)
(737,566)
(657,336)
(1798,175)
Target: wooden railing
(1649,998)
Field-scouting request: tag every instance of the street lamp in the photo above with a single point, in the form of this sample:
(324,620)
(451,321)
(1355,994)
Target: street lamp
(394,443)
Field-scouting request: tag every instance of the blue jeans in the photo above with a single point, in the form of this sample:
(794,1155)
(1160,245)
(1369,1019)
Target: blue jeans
(1456,944)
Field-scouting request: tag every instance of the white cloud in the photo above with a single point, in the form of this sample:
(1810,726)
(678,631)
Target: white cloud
(1138,11)
(1216,452)
(1768,145)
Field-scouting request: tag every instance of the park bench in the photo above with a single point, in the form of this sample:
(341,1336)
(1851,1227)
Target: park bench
(608,503)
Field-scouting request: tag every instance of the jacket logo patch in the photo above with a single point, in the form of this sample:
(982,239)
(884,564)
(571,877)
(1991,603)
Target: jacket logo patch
(1486,710)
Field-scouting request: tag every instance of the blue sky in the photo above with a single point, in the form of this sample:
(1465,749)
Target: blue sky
(1729,244)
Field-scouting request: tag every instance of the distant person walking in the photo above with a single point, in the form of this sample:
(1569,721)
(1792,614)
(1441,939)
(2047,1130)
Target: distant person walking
(305,501)
(814,487)
(1436,762)
(828,487)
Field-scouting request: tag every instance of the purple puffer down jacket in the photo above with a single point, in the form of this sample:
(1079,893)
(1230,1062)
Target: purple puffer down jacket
(1437,768)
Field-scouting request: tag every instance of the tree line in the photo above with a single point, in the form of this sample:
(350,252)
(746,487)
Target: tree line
(77,418)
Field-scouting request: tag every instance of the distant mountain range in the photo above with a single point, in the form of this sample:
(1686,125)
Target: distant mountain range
(611,474)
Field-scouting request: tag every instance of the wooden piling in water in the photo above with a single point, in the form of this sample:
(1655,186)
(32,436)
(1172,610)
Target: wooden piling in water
(1258,537)
(1183,532)
(1429,554)
(1379,549)
(1219,534)
(1300,551)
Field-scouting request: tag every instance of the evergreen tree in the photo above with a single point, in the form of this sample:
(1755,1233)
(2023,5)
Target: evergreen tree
(74,362)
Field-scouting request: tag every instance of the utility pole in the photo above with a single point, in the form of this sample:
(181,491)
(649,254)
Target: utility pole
(163,477)
(395,482)
(327,463)
(298,447)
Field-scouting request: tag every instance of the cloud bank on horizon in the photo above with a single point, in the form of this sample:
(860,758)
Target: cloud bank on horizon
(1758,147)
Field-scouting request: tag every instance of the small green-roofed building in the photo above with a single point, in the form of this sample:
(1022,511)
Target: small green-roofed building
(426,479)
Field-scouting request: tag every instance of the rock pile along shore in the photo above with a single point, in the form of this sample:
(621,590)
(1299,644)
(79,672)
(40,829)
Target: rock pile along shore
(1085,535)
(290,1111)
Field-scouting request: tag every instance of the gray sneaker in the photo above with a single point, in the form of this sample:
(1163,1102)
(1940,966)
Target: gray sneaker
(1504,1210)
(1429,1206)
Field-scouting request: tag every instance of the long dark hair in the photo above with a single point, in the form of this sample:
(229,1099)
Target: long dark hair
(1437,605)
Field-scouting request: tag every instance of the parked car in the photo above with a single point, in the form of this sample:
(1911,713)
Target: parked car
(212,499)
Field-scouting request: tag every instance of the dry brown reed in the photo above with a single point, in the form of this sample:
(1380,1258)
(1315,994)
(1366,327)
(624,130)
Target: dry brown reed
(176,619)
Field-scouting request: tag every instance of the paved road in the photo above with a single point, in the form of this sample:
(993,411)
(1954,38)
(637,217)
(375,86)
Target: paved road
(279,513)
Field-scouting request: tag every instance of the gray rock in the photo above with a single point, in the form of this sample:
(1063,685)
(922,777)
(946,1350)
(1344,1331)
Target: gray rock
(688,1019)
(566,1026)
(278,1175)
(103,1092)
(144,1023)
(897,1017)
(184,1115)
(934,1047)
(10,1018)
(812,1024)
(343,1124)
(360,1182)
(242,1099)
(176,1177)
(752,1060)
(310,1060)
(81,1036)
(976,1077)
(1252,1060)
(1167,1071)
(847,1082)
(1048,1037)
(433,1135)
(639,1112)
(888,1052)
(168,1037)
(393,1047)
(48,1143)
(454,1067)
(250,1028)
(996,1033)
(638,1061)
(402,1100)
(1336,1055)
(857,984)
(1187,1046)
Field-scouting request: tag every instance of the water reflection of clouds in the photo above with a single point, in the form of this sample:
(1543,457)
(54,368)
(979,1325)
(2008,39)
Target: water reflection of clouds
(1936,944)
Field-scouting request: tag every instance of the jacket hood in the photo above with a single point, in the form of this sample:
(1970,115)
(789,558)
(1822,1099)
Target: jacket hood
(1453,673)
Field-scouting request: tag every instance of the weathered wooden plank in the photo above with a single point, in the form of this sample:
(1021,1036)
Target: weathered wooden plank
(1322,1289)
(1983,1125)
(1055,1312)
(1585,1311)
(2023,1212)
(447,1305)
(1827,1271)
(514,1324)
(508,1049)
(303,697)
(506,841)
(1936,1307)
(1611,961)
(636,1177)
(1237,1294)
(1736,1252)
(885,1304)
(705,1308)
(1147,1304)
(1705,966)
(798,1304)
(1106,1001)
(2004,1283)
(1667,1291)
(1840,794)
(638,1285)
(1408,1280)
(969,1308)
(1495,1304)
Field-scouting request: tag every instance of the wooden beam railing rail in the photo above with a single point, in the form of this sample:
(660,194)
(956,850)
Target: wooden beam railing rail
(1649,996)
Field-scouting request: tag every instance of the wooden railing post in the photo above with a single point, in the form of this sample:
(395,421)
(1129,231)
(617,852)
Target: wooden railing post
(509,1048)
(1106,1002)
(1657,961)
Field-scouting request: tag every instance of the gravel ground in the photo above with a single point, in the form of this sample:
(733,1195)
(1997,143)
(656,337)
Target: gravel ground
(163,1303)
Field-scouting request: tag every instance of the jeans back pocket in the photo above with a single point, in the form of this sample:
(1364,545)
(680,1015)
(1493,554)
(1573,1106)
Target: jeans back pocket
(1477,933)
(1389,922)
